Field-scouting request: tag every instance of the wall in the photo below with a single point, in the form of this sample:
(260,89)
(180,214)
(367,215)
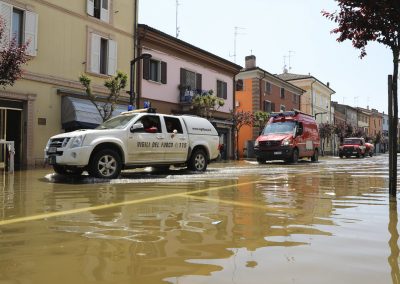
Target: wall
(62,57)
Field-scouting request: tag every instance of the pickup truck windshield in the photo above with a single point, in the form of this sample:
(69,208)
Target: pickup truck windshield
(117,122)
(279,127)
(352,141)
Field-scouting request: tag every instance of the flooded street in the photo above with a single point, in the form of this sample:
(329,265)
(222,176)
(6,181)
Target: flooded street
(240,222)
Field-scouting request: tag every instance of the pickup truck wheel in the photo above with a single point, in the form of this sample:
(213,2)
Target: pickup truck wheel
(295,156)
(341,156)
(371,154)
(314,157)
(105,164)
(261,161)
(198,161)
(68,171)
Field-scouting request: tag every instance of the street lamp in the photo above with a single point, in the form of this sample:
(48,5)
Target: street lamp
(315,115)
(131,92)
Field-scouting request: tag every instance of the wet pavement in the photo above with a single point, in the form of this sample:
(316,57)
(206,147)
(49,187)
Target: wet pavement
(240,222)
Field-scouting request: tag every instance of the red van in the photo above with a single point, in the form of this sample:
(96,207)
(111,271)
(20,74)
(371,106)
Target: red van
(288,136)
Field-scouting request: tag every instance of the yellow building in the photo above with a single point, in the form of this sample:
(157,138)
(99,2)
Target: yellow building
(67,39)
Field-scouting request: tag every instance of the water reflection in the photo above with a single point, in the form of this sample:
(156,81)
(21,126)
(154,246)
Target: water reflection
(238,223)
(393,259)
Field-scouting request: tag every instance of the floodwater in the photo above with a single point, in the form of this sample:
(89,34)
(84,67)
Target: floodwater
(330,222)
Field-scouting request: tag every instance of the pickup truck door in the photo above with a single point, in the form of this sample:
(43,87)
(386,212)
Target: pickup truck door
(144,145)
(176,142)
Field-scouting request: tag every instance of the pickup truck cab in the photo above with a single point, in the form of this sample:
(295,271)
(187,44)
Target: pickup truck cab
(288,136)
(135,139)
(353,146)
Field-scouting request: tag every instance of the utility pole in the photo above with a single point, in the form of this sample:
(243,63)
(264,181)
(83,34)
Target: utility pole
(236,33)
(176,19)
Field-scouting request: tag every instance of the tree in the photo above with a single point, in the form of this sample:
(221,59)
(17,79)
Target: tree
(366,21)
(240,119)
(325,132)
(343,130)
(12,57)
(260,119)
(207,103)
(106,106)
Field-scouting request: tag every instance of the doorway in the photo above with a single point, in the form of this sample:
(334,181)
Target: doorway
(11,130)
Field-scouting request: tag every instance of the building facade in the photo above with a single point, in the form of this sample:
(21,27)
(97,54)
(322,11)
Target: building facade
(316,100)
(177,72)
(259,90)
(66,39)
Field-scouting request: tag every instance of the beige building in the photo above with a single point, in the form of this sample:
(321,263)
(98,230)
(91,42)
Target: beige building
(67,39)
(316,100)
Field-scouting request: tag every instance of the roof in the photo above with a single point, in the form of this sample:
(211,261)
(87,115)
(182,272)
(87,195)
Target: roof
(162,38)
(274,76)
(294,77)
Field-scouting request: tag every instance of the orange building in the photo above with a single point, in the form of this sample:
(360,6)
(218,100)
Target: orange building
(259,90)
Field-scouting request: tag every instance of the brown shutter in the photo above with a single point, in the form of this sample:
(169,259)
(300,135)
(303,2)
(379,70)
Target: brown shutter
(219,95)
(146,68)
(272,107)
(183,77)
(163,72)
(225,89)
(198,82)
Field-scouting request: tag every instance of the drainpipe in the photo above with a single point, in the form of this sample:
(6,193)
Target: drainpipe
(312,98)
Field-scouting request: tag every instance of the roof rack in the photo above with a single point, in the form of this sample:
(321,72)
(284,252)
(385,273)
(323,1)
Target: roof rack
(141,110)
(285,113)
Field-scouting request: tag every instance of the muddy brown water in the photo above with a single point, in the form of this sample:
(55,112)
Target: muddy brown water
(330,222)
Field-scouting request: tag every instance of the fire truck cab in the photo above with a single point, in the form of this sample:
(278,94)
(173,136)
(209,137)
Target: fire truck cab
(288,136)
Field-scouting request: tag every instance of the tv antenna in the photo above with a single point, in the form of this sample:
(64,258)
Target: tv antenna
(236,33)
(289,56)
(177,30)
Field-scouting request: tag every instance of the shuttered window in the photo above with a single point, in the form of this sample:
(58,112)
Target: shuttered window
(191,81)
(155,70)
(98,9)
(222,91)
(21,25)
(103,55)
(267,107)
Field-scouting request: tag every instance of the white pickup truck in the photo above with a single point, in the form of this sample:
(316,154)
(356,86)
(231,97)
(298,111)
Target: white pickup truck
(132,140)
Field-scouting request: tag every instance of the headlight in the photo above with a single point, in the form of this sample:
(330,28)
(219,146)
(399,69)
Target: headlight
(286,142)
(77,141)
(256,143)
(47,146)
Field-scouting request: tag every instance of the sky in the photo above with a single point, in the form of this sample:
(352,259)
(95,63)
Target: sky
(272,30)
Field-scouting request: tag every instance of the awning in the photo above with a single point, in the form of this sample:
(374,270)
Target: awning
(79,113)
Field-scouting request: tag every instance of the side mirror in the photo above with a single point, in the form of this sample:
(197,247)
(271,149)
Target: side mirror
(299,131)
(136,127)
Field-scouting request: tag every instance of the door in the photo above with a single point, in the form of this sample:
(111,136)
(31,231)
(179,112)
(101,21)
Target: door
(144,144)
(11,130)
(176,144)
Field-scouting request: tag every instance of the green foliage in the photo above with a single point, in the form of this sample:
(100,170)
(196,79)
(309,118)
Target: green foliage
(106,105)
(261,118)
(207,103)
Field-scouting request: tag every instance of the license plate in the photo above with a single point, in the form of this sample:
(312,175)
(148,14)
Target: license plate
(52,160)
(277,153)
(52,150)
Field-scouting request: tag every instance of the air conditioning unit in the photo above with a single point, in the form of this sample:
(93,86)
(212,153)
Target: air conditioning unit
(237,103)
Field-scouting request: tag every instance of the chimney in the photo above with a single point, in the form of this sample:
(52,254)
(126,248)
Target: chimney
(250,62)
(327,84)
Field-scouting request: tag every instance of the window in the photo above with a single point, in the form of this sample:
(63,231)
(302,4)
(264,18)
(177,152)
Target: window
(268,87)
(267,106)
(283,108)
(103,56)
(155,70)
(21,25)
(239,85)
(191,80)
(172,124)
(222,91)
(17,26)
(282,93)
(99,9)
